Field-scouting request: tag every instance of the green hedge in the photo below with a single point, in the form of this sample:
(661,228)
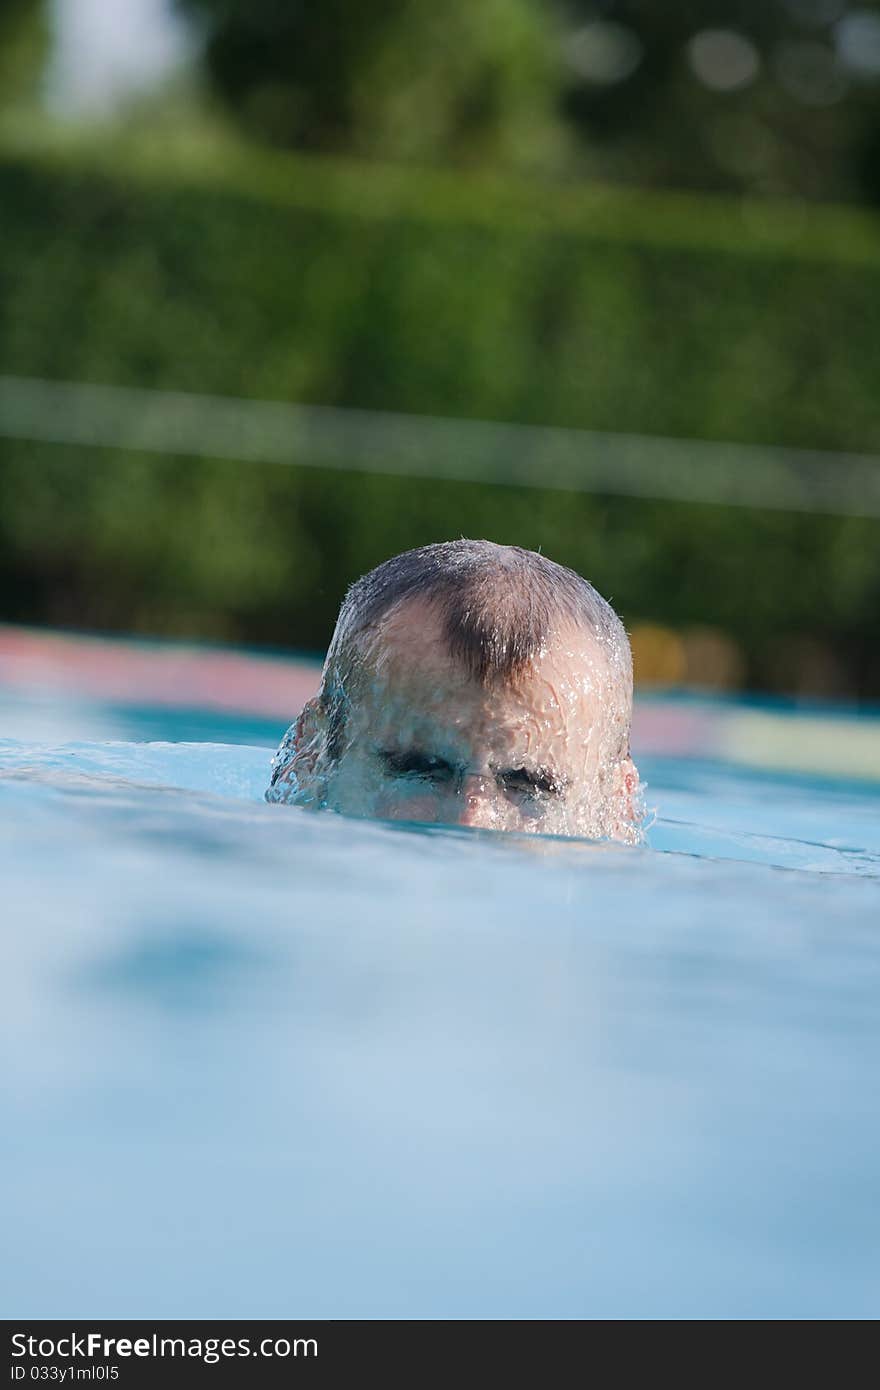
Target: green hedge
(272,277)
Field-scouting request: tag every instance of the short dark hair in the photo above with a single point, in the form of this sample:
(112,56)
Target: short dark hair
(498,605)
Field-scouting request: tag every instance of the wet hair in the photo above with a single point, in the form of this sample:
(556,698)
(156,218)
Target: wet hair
(498,606)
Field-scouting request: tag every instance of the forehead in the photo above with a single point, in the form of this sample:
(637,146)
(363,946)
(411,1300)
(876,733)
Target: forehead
(407,661)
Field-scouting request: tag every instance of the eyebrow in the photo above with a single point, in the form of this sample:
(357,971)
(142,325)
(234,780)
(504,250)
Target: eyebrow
(419,760)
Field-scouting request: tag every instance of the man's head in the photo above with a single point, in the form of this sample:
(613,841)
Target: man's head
(470,683)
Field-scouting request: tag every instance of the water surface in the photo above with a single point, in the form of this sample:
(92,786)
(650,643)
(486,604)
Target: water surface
(260,1062)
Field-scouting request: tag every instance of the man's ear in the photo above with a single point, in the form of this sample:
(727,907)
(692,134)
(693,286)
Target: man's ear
(308,739)
(631,785)
(628,809)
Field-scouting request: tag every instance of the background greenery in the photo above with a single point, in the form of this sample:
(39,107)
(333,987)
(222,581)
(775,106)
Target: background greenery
(769,97)
(610,214)
(285,278)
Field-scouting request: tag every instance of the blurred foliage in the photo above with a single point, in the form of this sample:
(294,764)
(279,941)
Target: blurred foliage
(318,282)
(779,97)
(390,79)
(776,97)
(24,47)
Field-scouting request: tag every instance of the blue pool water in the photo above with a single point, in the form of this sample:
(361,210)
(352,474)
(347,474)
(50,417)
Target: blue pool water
(261,1062)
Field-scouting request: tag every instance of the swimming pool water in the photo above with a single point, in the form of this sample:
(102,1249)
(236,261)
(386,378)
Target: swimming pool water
(262,1062)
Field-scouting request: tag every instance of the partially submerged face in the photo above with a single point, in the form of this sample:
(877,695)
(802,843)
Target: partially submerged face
(419,739)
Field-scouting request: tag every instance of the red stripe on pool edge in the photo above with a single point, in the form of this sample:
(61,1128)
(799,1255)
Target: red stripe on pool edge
(160,674)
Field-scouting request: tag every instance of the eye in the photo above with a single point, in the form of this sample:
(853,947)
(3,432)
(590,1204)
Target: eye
(418,765)
(522,782)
